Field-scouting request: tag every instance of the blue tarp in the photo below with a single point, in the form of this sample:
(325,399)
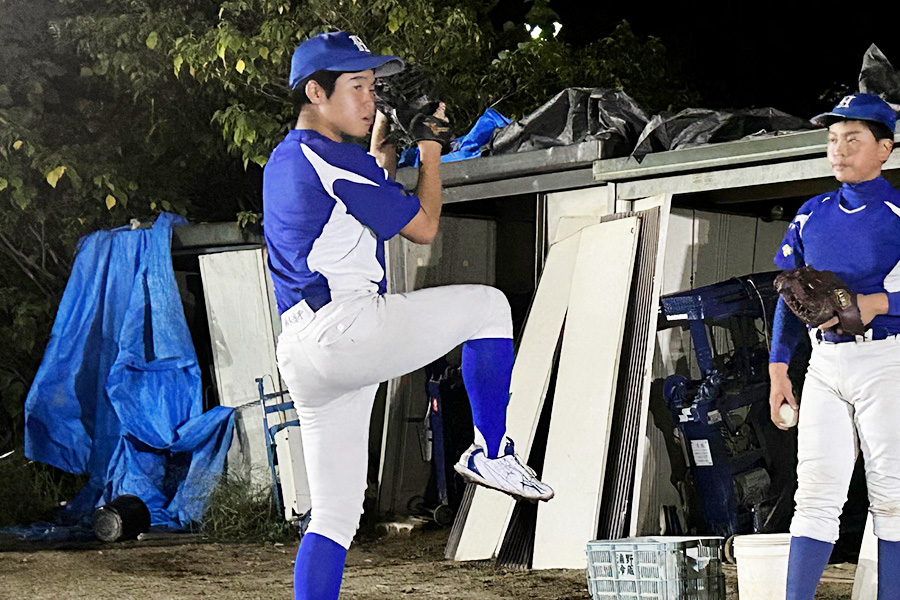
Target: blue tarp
(467,146)
(118,394)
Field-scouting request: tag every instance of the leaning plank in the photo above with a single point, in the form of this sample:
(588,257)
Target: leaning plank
(639,503)
(585,389)
(486,520)
(626,411)
(569,225)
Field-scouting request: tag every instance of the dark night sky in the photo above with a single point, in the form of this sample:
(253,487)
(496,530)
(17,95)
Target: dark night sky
(751,55)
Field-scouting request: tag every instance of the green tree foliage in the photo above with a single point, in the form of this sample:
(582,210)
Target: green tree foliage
(474,64)
(118,109)
(95,129)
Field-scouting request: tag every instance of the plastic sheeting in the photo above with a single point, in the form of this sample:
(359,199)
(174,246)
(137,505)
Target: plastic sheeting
(118,394)
(878,76)
(467,146)
(576,115)
(471,144)
(697,126)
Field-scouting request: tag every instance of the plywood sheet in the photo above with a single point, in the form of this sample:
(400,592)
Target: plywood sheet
(638,505)
(631,388)
(582,407)
(569,225)
(592,203)
(242,326)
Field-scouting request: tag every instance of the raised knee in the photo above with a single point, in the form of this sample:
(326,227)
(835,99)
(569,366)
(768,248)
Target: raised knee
(498,309)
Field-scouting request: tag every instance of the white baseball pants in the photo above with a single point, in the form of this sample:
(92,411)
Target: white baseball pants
(333,360)
(851,400)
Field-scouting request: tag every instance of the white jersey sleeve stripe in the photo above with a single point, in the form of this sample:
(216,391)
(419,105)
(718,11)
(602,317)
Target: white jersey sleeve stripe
(329,174)
(346,248)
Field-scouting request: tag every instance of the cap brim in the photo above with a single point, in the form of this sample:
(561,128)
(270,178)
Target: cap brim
(382,64)
(826,119)
(830,118)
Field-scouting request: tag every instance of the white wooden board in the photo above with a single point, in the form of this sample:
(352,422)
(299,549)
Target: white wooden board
(638,490)
(592,202)
(490,511)
(570,225)
(242,331)
(585,390)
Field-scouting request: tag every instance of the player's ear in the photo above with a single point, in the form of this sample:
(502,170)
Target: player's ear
(887,145)
(315,92)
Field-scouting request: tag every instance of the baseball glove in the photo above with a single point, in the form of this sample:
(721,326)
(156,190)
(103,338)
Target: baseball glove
(408,98)
(817,296)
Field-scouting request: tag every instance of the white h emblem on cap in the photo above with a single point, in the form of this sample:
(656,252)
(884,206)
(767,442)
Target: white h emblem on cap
(845,103)
(360,45)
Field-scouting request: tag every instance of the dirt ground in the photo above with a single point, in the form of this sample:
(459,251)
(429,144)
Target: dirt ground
(163,567)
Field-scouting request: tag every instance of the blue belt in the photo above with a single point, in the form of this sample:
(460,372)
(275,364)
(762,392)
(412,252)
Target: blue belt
(874,334)
(317,301)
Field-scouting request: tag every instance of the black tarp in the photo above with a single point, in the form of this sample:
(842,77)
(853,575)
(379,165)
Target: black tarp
(697,126)
(878,76)
(579,114)
(576,115)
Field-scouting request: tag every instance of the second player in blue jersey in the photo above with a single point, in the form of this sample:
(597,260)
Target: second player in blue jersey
(851,394)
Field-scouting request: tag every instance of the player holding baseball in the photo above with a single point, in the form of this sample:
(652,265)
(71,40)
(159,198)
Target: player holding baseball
(329,207)
(850,395)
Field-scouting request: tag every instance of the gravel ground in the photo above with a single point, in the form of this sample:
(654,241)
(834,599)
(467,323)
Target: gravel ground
(187,567)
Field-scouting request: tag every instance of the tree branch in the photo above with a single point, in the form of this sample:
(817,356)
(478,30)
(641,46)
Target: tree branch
(47,251)
(21,260)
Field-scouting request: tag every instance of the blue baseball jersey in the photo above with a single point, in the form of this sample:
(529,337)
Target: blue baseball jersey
(855,232)
(328,208)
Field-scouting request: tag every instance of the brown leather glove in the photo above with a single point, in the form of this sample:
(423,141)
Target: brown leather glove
(817,296)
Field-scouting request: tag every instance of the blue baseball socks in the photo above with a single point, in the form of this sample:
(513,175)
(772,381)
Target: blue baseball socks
(888,570)
(808,560)
(806,563)
(319,568)
(487,369)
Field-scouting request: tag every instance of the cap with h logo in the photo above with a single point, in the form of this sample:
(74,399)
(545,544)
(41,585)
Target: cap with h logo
(339,51)
(859,107)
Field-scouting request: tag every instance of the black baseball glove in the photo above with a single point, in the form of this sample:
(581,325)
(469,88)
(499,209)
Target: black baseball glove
(817,296)
(408,99)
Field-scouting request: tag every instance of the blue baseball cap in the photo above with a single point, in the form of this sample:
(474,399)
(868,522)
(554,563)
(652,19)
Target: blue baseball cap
(860,107)
(339,51)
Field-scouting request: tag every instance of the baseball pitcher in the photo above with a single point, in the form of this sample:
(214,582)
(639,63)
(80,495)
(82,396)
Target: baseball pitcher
(329,207)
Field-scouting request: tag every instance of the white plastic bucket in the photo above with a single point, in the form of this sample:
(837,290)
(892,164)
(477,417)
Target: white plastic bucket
(762,562)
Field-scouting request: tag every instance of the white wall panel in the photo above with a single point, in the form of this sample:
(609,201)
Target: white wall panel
(242,331)
(578,438)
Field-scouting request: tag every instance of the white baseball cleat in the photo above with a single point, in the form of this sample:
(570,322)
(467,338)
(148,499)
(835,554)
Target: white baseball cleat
(506,473)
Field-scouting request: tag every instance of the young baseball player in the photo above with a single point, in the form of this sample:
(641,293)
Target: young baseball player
(851,395)
(329,207)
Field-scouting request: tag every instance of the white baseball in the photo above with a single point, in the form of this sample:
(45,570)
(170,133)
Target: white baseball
(787,415)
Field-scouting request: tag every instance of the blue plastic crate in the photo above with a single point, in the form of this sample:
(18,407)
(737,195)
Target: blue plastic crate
(656,568)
